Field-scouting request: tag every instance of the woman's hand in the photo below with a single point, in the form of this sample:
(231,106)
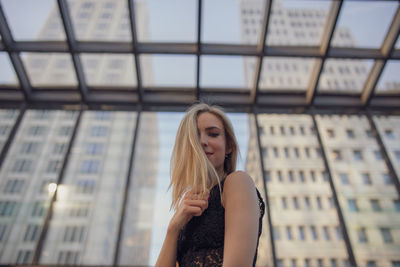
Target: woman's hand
(192,204)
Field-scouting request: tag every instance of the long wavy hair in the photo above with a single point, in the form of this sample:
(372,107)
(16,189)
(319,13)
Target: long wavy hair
(190,167)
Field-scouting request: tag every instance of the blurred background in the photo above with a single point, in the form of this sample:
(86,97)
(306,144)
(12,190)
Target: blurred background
(92,93)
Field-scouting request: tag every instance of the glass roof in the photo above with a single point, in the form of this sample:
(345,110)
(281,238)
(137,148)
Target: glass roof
(246,52)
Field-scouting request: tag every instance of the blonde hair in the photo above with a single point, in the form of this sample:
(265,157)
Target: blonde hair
(190,167)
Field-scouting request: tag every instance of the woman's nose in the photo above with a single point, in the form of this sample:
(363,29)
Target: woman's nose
(203,140)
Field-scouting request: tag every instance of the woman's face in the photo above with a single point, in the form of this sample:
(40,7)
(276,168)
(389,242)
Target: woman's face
(212,139)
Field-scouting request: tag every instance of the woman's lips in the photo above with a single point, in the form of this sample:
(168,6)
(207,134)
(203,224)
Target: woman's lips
(208,154)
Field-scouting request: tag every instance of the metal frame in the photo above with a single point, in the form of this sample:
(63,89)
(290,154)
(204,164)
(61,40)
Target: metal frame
(160,96)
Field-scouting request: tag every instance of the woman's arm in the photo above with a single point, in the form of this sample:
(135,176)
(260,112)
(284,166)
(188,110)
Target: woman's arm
(241,220)
(191,205)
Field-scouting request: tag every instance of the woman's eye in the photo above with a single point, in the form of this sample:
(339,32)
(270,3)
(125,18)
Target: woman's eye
(213,134)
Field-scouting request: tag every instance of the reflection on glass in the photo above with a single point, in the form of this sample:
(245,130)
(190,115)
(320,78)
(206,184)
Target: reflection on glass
(153,17)
(49,69)
(140,210)
(85,222)
(285,73)
(302,210)
(168,70)
(226,71)
(364,188)
(297,22)
(109,69)
(363,23)
(344,75)
(101,20)
(7,74)
(389,82)
(7,120)
(34,20)
(389,130)
(230,22)
(33,162)
(253,168)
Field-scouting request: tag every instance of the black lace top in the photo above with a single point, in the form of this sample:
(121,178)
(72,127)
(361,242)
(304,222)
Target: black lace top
(201,241)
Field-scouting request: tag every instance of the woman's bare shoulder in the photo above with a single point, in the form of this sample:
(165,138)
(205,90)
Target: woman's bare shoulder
(238,184)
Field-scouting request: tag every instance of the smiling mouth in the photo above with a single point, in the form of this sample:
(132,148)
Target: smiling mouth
(208,154)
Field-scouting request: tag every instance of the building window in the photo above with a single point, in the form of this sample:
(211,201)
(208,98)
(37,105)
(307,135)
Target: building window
(386,235)
(357,155)
(103,115)
(313,232)
(99,131)
(337,155)
(395,263)
(296,203)
(284,203)
(330,133)
(319,203)
(276,152)
(68,257)
(286,151)
(8,208)
(301,233)
(397,154)
(375,205)
(294,263)
(3,231)
(326,233)
(38,209)
(344,178)
(362,235)
(277,235)
(267,176)
(31,233)
(24,257)
(282,130)
(85,186)
(396,203)
(264,152)
(352,205)
(320,263)
(22,166)
(378,155)
(313,176)
(29,148)
(307,150)
(90,166)
(279,263)
(302,177)
(94,148)
(59,148)
(350,133)
(280,178)
(371,264)
(37,130)
(307,263)
(53,166)
(366,178)
(289,232)
(338,233)
(302,130)
(333,263)
(369,133)
(387,179)
(272,130)
(292,132)
(296,152)
(65,131)
(14,186)
(389,134)
(74,234)
(291,176)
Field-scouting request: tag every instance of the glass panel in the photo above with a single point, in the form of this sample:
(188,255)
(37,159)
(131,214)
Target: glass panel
(226,71)
(286,73)
(389,130)
(7,120)
(168,70)
(85,222)
(397,45)
(28,179)
(7,74)
(368,229)
(363,23)
(109,69)
(153,17)
(253,168)
(221,23)
(344,75)
(389,82)
(302,209)
(50,69)
(297,22)
(100,20)
(34,20)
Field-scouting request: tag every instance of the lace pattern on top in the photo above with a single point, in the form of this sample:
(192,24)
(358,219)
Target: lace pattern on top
(201,241)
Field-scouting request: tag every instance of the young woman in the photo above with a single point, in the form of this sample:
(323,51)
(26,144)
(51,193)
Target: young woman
(218,210)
